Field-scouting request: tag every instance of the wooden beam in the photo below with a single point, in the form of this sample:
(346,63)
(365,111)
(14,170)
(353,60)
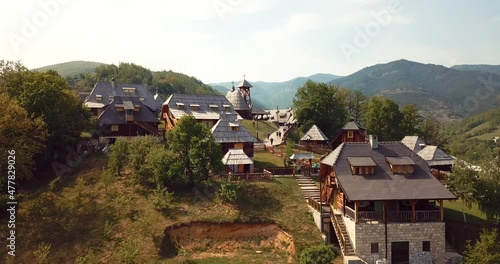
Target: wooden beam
(384,211)
(413,213)
(441,207)
(356,212)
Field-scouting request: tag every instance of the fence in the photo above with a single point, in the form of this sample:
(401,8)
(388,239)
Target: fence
(265,175)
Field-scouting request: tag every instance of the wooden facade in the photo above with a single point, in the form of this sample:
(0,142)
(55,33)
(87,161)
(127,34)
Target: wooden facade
(351,132)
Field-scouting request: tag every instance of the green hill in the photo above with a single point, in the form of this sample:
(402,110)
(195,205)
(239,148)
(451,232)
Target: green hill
(495,69)
(445,92)
(71,68)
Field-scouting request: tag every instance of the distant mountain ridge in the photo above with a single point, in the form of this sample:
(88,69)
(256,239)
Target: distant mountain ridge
(72,68)
(495,69)
(436,89)
(270,95)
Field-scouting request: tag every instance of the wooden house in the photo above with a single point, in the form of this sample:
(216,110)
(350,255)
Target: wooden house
(229,132)
(241,100)
(439,162)
(127,117)
(103,94)
(207,109)
(314,136)
(385,203)
(351,132)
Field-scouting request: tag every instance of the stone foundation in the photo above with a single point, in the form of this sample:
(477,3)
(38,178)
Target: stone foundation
(414,233)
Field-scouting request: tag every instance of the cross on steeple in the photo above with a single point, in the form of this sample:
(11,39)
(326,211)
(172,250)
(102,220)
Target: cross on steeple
(244,76)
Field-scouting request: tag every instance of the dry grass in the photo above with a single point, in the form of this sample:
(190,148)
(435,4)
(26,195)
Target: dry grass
(84,217)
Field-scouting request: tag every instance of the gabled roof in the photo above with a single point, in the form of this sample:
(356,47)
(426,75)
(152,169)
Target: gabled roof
(234,96)
(314,133)
(352,125)
(435,156)
(384,185)
(112,117)
(223,131)
(258,111)
(236,157)
(413,142)
(244,83)
(108,92)
(210,106)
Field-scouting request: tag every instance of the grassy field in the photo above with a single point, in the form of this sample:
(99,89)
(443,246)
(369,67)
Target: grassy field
(105,220)
(265,159)
(264,128)
(463,232)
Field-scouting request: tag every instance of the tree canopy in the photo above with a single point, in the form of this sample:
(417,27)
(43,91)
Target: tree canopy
(485,250)
(195,150)
(321,104)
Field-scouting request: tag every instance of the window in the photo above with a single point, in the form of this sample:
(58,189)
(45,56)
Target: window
(114,128)
(374,247)
(426,246)
(350,134)
(111,97)
(128,90)
(98,97)
(141,99)
(226,107)
(195,106)
(180,106)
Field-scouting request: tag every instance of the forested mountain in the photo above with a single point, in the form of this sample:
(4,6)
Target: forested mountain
(441,91)
(72,69)
(271,94)
(495,69)
(162,82)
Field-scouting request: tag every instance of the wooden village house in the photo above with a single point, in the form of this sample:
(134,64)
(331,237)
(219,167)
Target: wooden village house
(439,162)
(384,202)
(314,136)
(233,137)
(207,109)
(351,132)
(123,110)
(242,102)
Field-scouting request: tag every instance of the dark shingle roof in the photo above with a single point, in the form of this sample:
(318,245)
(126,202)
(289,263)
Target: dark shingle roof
(234,96)
(210,106)
(244,83)
(435,156)
(111,116)
(384,185)
(223,133)
(108,92)
(361,161)
(352,125)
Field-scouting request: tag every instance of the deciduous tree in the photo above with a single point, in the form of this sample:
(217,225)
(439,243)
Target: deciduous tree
(383,118)
(320,104)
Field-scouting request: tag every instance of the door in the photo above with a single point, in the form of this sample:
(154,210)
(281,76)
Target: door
(400,252)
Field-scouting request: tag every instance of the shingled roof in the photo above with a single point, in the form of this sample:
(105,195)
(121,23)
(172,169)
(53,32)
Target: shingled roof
(108,91)
(236,157)
(234,96)
(384,185)
(415,143)
(244,83)
(435,156)
(201,106)
(229,130)
(314,133)
(110,116)
(352,125)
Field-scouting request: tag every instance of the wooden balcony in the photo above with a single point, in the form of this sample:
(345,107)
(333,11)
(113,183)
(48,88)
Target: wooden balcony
(394,216)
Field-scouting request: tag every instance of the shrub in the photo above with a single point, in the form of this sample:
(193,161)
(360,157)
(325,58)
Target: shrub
(321,254)
(161,198)
(229,190)
(42,253)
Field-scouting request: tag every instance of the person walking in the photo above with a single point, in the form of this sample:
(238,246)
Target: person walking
(272,141)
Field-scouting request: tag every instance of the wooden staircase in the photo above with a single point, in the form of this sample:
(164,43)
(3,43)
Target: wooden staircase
(342,235)
(153,130)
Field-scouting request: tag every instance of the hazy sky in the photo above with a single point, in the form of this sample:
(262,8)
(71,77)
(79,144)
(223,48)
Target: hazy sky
(268,40)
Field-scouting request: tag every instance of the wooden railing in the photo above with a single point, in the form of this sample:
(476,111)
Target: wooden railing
(280,170)
(314,204)
(350,213)
(257,176)
(395,216)
(428,216)
(338,231)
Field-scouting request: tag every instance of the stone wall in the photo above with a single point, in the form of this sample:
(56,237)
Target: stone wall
(414,233)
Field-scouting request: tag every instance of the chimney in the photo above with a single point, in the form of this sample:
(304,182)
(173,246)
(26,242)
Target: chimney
(422,145)
(113,82)
(373,141)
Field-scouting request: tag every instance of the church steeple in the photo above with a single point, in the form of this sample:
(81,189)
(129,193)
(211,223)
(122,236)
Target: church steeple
(244,87)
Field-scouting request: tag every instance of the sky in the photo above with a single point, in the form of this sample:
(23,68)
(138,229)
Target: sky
(265,40)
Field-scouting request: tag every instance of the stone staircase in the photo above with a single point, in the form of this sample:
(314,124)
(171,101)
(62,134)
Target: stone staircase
(342,235)
(308,187)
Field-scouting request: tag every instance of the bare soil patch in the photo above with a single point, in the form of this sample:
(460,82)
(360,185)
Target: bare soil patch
(202,239)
